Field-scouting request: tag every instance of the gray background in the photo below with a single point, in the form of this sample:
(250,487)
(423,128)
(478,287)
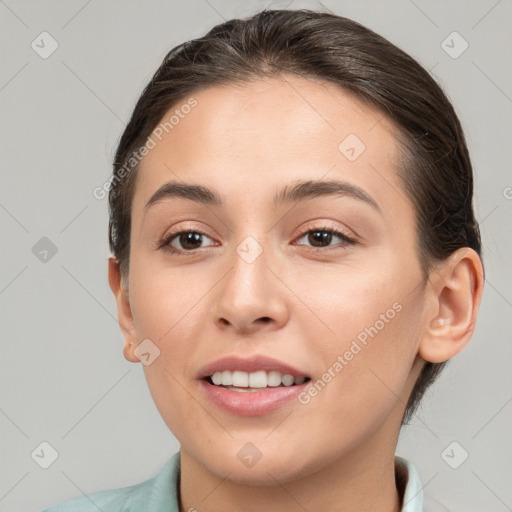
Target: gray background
(63,378)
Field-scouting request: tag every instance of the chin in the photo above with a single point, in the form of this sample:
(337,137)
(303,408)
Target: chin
(277,466)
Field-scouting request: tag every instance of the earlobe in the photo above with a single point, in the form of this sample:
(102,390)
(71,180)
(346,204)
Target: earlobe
(124,312)
(456,287)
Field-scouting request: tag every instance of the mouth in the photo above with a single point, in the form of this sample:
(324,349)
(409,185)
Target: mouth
(256,386)
(240,381)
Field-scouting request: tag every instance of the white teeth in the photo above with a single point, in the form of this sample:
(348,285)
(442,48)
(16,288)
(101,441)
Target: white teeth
(274,379)
(217,378)
(227,378)
(256,380)
(240,379)
(287,380)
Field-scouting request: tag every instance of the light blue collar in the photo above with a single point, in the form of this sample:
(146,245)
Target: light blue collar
(413,494)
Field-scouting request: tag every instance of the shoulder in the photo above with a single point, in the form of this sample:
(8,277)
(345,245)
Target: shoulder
(153,494)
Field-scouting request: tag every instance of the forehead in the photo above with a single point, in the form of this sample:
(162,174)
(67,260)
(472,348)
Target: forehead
(258,136)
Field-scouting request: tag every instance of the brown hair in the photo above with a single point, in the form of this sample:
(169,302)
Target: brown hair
(435,166)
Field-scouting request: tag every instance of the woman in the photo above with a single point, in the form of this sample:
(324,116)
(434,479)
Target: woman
(295,256)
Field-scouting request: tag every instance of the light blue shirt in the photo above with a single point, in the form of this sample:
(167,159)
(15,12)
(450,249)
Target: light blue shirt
(160,493)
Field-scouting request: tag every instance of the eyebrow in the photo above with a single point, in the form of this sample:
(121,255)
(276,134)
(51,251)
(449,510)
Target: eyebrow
(300,191)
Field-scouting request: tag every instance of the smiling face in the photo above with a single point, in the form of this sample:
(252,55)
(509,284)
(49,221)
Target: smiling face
(325,280)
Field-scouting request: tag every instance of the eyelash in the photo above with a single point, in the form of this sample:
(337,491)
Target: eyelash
(165,243)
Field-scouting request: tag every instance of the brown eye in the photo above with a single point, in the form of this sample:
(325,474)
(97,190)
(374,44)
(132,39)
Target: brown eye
(190,240)
(184,241)
(320,238)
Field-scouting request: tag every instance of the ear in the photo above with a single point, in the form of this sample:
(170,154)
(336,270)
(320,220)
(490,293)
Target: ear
(456,291)
(124,312)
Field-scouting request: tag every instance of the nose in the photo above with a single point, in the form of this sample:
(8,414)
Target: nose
(251,297)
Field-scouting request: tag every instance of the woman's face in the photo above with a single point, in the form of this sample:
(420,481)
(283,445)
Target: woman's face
(258,274)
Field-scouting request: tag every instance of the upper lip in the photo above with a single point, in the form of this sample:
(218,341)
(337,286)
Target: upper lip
(250,364)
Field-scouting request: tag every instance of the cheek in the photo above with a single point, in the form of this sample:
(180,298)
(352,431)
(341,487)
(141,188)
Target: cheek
(373,319)
(166,302)
(361,301)
(166,315)
(169,307)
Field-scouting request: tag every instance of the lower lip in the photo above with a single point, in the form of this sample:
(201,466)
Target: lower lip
(251,403)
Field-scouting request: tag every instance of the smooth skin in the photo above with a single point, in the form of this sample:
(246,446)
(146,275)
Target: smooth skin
(300,301)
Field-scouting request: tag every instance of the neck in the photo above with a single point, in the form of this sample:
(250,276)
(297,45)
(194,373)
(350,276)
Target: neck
(361,480)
